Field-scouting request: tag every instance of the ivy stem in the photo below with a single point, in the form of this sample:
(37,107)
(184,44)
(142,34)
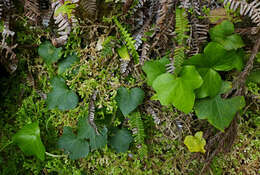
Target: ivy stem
(53,155)
(8,143)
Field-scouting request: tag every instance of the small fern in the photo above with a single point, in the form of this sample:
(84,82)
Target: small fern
(182,26)
(137,127)
(130,42)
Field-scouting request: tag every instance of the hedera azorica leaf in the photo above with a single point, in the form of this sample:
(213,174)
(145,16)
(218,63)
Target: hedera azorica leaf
(178,91)
(29,140)
(61,96)
(121,140)
(66,63)
(128,100)
(223,34)
(154,68)
(49,53)
(219,112)
(195,143)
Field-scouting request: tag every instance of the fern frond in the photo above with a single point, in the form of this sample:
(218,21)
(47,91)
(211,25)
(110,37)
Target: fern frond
(130,42)
(176,65)
(137,127)
(89,6)
(91,111)
(32,10)
(181,26)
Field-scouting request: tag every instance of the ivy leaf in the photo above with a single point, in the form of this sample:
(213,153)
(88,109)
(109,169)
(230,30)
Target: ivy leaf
(61,96)
(219,112)
(178,91)
(121,140)
(154,68)
(66,63)
(195,143)
(29,140)
(123,53)
(128,101)
(49,53)
(86,131)
(75,146)
(223,34)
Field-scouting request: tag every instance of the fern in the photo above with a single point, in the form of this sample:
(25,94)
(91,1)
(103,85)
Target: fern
(182,26)
(137,127)
(130,42)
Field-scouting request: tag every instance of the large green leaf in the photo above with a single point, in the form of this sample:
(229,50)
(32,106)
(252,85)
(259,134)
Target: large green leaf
(86,131)
(223,34)
(75,146)
(49,53)
(29,140)
(154,68)
(121,140)
(128,101)
(219,112)
(61,96)
(195,143)
(66,63)
(178,91)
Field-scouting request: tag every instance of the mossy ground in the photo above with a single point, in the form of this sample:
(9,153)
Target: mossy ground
(23,101)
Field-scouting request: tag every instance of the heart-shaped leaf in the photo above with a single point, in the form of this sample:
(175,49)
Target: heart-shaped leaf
(66,63)
(219,112)
(223,34)
(195,143)
(49,53)
(154,68)
(61,96)
(128,101)
(29,140)
(121,140)
(178,91)
(75,146)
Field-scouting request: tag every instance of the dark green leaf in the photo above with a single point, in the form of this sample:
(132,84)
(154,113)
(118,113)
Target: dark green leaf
(254,76)
(128,101)
(121,140)
(178,91)
(49,53)
(66,63)
(219,112)
(29,140)
(75,146)
(61,96)
(154,68)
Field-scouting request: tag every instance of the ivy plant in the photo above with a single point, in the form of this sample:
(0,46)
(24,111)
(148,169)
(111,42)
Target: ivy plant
(195,143)
(49,53)
(67,63)
(121,140)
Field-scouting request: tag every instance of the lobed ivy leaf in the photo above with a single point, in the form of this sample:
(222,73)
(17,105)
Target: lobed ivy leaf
(195,143)
(86,131)
(49,53)
(128,101)
(219,112)
(73,145)
(154,68)
(215,58)
(66,63)
(178,91)
(121,140)
(61,96)
(223,34)
(29,140)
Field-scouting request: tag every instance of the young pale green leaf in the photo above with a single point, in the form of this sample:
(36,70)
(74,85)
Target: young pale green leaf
(223,34)
(66,63)
(128,101)
(49,53)
(61,96)
(219,112)
(121,140)
(75,146)
(29,140)
(123,53)
(178,91)
(195,143)
(67,8)
(86,131)
(154,68)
